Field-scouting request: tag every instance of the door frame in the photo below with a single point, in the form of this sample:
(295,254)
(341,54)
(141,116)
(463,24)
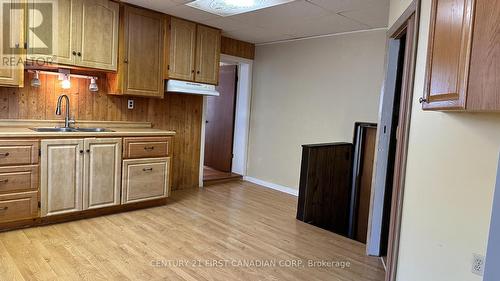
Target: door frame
(241,119)
(407,24)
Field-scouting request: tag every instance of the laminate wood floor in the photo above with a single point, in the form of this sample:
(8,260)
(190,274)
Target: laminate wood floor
(232,231)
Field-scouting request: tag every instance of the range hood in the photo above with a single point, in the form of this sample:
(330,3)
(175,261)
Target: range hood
(183,87)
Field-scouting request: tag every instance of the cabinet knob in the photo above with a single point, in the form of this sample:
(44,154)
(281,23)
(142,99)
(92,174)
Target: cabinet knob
(6,154)
(81,151)
(4,208)
(79,54)
(192,71)
(198,72)
(74,53)
(4,181)
(88,150)
(125,60)
(422,100)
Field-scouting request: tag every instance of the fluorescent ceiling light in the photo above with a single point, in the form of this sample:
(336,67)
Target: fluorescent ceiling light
(227,8)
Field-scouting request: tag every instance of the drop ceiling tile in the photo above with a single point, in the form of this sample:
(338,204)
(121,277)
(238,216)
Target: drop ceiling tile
(282,14)
(375,17)
(325,25)
(337,6)
(256,35)
(157,5)
(226,24)
(186,12)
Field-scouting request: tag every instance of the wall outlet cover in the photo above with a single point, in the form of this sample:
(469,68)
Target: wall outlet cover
(478,263)
(130,104)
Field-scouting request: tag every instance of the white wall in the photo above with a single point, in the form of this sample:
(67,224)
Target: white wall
(310,91)
(450,179)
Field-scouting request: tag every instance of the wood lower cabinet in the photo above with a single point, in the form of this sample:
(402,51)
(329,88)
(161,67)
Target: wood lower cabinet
(102,173)
(145,179)
(147,147)
(18,206)
(18,152)
(463,56)
(79,174)
(61,176)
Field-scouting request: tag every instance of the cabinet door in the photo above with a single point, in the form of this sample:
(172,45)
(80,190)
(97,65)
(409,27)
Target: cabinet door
(448,55)
(145,179)
(102,173)
(63,32)
(207,55)
(182,49)
(143,58)
(11,70)
(98,46)
(61,176)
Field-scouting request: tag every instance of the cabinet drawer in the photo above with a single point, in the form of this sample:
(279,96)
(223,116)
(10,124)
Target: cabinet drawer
(18,152)
(146,147)
(20,206)
(145,179)
(16,179)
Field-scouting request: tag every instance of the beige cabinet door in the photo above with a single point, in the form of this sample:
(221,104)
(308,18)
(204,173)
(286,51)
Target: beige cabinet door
(145,179)
(143,53)
(102,172)
(61,176)
(182,49)
(64,32)
(11,47)
(98,46)
(207,54)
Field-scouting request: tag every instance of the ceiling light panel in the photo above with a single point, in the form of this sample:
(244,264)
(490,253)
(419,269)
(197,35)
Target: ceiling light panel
(227,8)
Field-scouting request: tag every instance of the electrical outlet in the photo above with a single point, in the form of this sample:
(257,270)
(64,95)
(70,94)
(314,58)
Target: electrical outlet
(478,264)
(130,104)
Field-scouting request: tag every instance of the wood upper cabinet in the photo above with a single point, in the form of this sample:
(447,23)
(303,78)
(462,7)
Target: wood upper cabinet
(61,176)
(102,172)
(141,54)
(182,49)
(98,45)
(194,52)
(85,31)
(11,46)
(462,69)
(207,54)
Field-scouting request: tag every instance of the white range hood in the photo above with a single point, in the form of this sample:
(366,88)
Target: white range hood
(183,87)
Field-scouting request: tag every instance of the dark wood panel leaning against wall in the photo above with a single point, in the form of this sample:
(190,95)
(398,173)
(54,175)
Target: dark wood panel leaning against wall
(180,113)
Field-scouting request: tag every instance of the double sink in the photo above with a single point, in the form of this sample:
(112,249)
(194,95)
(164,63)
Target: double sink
(71,130)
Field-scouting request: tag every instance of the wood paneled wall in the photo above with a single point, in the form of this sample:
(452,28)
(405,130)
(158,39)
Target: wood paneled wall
(237,48)
(180,113)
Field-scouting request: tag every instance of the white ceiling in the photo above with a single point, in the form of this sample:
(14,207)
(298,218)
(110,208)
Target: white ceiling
(298,19)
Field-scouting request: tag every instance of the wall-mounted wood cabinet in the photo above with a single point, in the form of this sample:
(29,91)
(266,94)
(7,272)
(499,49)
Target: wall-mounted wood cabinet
(140,71)
(11,46)
(194,52)
(463,56)
(85,31)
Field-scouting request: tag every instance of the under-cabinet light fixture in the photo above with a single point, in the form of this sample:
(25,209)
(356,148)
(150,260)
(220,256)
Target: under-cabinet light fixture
(64,77)
(227,8)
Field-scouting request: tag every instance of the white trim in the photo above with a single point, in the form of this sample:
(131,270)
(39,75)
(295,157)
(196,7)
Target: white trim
(285,189)
(321,36)
(202,142)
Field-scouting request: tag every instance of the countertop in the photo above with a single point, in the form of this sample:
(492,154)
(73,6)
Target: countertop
(21,129)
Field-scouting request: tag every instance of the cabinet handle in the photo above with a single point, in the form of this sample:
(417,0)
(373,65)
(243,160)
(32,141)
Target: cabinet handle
(5,154)
(88,150)
(4,181)
(4,208)
(125,60)
(79,54)
(192,71)
(149,148)
(74,53)
(198,72)
(81,151)
(147,169)
(422,100)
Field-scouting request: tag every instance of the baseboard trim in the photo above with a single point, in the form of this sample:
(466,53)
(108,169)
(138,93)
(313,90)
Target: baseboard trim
(285,189)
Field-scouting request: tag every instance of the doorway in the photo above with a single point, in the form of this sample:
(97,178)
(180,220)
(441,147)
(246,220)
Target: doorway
(392,141)
(219,128)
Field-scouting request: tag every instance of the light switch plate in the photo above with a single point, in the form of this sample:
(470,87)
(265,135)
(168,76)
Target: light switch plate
(130,104)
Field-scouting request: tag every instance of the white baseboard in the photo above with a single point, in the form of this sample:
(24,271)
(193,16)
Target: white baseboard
(285,189)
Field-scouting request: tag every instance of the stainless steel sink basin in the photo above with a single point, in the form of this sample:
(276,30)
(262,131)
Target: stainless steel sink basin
(92,130)
(84,130)
(50,130)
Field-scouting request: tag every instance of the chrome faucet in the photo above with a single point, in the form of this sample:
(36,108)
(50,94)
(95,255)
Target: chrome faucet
(67,119)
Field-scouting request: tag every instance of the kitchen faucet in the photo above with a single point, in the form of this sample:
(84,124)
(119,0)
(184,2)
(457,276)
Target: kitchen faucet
(67,119)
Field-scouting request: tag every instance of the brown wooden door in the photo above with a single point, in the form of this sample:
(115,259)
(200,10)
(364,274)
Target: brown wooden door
(207,54)
(450,40)
(219,131)
(143,57)
(182,49)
